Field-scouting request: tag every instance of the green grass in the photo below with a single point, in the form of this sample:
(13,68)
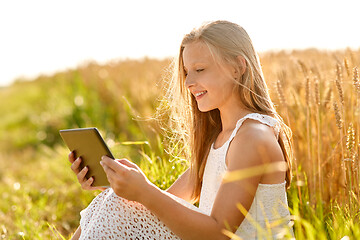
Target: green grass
(41,191)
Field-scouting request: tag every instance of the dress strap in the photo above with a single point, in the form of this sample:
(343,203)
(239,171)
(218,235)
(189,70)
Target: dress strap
(265,119)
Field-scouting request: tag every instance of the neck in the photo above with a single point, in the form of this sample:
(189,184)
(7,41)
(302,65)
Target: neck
(230,116)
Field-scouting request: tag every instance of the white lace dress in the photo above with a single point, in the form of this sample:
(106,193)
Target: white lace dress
(111,217)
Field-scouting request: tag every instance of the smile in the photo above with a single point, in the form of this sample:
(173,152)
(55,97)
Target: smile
(200,94)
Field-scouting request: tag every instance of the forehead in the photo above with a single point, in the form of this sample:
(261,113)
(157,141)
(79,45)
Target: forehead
(196,52)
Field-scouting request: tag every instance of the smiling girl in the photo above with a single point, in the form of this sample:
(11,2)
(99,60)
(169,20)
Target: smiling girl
(240,155)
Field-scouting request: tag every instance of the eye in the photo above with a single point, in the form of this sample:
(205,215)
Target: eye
(199,70)
(185,73)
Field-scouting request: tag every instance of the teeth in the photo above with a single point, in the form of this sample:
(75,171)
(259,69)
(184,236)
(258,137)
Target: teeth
(200,93)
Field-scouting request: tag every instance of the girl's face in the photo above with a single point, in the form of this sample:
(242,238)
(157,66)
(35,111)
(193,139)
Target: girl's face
(210,83)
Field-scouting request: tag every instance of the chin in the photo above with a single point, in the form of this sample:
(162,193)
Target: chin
(205,109)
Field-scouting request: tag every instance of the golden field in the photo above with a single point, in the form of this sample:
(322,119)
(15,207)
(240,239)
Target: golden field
(316,92)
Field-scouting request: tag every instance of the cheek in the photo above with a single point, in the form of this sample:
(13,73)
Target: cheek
(213,80)
(227,89)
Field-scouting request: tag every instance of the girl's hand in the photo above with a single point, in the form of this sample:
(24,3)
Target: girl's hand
(126,178)
(80,173)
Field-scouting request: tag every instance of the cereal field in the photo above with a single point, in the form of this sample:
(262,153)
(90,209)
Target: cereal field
(316,92)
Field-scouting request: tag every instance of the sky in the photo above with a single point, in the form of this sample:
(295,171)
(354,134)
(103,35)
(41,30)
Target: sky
(45,36)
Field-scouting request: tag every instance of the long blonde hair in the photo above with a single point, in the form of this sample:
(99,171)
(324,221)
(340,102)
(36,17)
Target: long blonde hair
(226,41)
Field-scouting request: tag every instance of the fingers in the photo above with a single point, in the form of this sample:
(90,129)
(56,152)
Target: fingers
(127,163)
(71,157)
(114,165)
(110,173)
(87,184)
(75,166)
(81,175)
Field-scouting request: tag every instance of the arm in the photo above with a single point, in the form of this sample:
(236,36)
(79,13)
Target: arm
(182,187)
(77,234)
(184,222)
(250,148)
(251,154)
(127,181)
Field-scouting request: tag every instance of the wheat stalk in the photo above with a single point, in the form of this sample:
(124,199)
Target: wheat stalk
(346,64)
(350,140)
(356,80)
(303,67)
(328,97)
(280,92)
(309,139)
(338,81)
(307,91)
(318,121)
(316,91)
(339,122)
(350,144)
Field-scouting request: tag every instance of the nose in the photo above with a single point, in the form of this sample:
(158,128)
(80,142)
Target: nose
(189,81)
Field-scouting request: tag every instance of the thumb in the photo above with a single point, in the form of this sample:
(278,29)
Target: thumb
(127,163)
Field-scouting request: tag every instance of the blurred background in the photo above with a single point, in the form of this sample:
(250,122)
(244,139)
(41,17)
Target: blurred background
(68,64)
(46,36)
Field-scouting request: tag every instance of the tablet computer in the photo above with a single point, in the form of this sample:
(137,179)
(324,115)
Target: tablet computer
(88,144)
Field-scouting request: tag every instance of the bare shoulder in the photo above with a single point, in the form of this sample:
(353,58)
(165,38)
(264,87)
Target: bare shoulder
(254,144)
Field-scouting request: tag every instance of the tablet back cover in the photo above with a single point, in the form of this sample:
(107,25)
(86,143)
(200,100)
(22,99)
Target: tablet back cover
(88,144)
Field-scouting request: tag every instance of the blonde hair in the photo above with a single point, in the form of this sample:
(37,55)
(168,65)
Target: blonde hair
(198,130)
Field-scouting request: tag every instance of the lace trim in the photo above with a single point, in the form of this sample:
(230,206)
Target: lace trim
(265,119)
(273,184)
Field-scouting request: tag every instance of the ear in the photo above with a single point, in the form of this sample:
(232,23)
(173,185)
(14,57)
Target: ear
(242,64)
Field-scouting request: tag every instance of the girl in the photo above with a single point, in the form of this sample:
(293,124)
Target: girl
(239,147)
